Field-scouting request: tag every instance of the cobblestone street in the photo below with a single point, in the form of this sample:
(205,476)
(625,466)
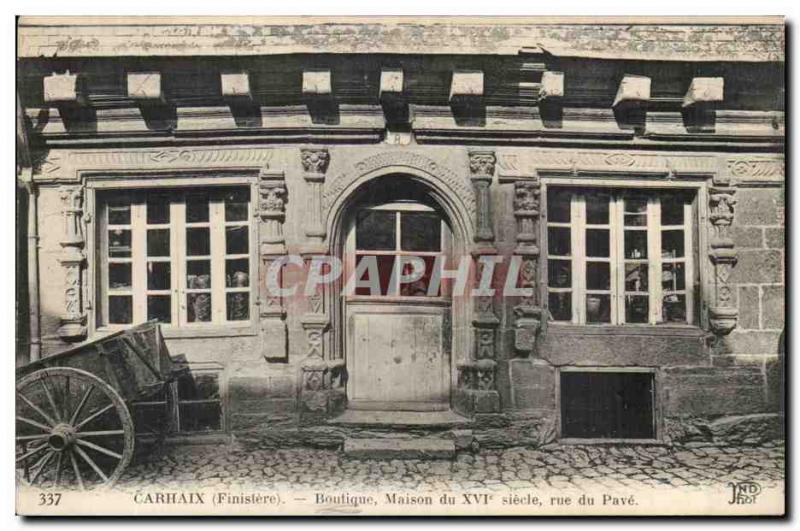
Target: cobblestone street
(552,466)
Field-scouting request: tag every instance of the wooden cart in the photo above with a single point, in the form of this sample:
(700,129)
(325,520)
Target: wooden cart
(75,410)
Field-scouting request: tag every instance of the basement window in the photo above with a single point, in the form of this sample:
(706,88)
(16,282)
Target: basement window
(607,405)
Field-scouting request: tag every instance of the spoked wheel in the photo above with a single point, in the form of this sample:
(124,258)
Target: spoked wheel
(72,429)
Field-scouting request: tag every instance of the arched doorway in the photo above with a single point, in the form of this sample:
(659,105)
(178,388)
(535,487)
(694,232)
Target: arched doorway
(397,332)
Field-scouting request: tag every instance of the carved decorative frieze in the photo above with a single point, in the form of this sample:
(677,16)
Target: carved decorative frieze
(756,169)
(723,314)
(73,319)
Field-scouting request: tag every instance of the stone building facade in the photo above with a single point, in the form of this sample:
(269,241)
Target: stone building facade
(633,173)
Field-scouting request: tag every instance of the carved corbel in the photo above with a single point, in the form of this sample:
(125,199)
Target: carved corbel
(528,311)
(722,313)
(73,320)
(315,164)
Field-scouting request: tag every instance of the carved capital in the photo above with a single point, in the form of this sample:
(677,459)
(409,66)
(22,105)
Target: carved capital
(481,164)
(315,160)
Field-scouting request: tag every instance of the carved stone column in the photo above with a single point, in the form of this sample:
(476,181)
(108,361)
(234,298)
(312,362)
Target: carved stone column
(73,320)
(528,310)
(481,167)
(722,312)
(477,391)
(315,164)
(272,246)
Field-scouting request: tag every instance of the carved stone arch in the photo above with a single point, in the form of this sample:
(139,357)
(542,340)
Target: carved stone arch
(455,192)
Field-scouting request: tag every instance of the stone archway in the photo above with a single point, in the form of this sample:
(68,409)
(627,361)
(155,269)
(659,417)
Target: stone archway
(450,191)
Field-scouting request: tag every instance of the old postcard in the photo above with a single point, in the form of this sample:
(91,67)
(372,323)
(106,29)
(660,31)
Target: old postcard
(400,266)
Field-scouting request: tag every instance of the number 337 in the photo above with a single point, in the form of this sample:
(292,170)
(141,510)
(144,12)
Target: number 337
(49,498)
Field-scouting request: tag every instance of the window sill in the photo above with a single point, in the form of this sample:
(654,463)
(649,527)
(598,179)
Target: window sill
(614,441)
(189,332)
(627,330)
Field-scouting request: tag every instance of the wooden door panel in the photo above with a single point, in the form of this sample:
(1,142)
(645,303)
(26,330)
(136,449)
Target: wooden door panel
(398,360)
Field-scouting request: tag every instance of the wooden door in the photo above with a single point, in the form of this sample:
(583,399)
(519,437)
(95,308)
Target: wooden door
(398,336)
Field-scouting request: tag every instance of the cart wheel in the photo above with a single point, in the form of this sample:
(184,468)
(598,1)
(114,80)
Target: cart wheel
(72,429)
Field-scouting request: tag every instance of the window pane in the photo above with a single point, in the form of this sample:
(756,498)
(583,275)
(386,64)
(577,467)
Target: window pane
(559,273)
(598,275)
(120,309)
(119,243)
(119,275)
(198,386)
(597,242)
(636,244)
(198,242)
(671,243)
(375,231)
(558,205)
(236,240)
(238,306)
(198,274)
(635,212)
(159,307)
(636,277)
(597,208)
(196,208)
(198,306)
(236,205)
(674,308)
(636,308)
(420,232)
(119,214)
(237,273)
(671,210)
(382,266)
(419,287)
(157,210)
(560,305)
(598,308)
(158,242)
(159,275)
(673,277)
(558,241)
(201,417)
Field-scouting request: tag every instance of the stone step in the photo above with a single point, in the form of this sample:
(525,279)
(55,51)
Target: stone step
(397,419)
(399,448)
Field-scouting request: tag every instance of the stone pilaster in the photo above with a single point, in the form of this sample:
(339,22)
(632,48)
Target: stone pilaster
(528,310)
(481,167)
(272,198)
(477,390)
(722,312)
(73,319)
(315,164)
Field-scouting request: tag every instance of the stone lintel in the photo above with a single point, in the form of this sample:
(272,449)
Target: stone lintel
(633,90)
(235,85)
(704,90)
(466,84)
(144,86)
(60,88)
(552,86)
(317,83)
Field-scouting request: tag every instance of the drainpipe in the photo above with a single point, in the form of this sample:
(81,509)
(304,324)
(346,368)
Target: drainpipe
(33,267)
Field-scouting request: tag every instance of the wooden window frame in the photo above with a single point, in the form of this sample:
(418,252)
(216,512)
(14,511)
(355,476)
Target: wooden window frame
(351,251)
(693,217)
(97,273)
